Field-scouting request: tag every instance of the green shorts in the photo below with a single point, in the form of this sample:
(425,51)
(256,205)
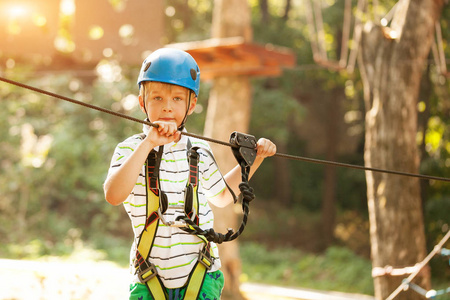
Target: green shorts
(211,289)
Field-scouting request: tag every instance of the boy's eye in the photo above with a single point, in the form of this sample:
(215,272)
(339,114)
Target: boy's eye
(157,98)
(177,99)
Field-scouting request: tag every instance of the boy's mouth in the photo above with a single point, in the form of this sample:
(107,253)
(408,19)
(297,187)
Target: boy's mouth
(167,119)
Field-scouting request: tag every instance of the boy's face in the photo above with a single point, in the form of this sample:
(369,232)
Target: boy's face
(166,102)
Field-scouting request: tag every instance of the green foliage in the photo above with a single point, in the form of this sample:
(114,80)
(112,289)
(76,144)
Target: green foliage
(48,194)
(351,184)
(188,20)
(274,110)
(437,224)
(337,269)
(295,227)
(309,184)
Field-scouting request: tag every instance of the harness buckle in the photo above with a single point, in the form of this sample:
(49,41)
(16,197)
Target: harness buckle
(147,274)
(205,260)
(179,224)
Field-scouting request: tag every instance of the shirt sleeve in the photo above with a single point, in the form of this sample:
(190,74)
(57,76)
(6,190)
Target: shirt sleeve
(122,151)
(212,180)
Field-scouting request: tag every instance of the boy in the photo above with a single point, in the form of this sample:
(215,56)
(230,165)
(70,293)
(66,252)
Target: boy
(165,258)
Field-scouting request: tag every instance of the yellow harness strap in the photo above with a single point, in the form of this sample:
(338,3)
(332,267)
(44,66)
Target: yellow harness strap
(198,274)
(147,272)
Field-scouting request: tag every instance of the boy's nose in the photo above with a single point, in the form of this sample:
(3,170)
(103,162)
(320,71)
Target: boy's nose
(167,105)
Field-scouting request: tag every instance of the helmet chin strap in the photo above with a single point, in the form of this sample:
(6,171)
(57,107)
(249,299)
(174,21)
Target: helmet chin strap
(143,100)
(181,127)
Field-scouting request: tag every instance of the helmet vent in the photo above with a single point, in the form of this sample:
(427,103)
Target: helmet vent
(193,74)
(147,66)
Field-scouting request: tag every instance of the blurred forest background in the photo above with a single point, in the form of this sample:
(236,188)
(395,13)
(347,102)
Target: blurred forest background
(55,155)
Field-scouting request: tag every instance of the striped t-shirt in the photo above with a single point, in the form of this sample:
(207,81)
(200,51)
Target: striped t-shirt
(174,251)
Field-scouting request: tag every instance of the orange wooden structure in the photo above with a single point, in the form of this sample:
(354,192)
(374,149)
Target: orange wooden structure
(235,57)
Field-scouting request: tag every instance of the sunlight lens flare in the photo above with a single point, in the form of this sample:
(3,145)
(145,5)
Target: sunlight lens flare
(96,32)
(39,20)
(17,11)
(67,7)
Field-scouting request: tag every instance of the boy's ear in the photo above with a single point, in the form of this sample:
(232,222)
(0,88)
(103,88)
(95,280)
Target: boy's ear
(192,105)
(141,103)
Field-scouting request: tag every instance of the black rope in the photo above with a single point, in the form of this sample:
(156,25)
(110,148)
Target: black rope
(286,156)
(247,196)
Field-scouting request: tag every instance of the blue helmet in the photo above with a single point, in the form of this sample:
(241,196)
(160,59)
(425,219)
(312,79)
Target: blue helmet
(172,66)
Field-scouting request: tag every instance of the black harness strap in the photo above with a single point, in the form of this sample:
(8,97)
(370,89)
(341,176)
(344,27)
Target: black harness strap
(191,203)
(245,158)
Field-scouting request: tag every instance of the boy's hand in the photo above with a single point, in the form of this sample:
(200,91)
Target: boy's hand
(166,133)
(265,148)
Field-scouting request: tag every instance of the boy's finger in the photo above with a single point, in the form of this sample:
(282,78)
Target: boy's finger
(273,149)
(161,127)
(266,148)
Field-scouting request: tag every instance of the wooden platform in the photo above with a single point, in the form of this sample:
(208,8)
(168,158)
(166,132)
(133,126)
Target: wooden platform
(235,57)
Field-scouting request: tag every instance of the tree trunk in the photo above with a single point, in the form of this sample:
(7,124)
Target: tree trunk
(391,71)
(231,18)
(287,9)
(264,8)
(229,110)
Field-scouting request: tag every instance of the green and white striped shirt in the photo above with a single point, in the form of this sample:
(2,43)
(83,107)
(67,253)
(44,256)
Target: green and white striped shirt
(174,252)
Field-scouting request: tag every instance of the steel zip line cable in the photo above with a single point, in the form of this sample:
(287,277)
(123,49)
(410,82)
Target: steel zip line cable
(286,156)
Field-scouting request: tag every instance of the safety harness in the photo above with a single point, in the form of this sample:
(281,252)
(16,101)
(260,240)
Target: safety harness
(157,205)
